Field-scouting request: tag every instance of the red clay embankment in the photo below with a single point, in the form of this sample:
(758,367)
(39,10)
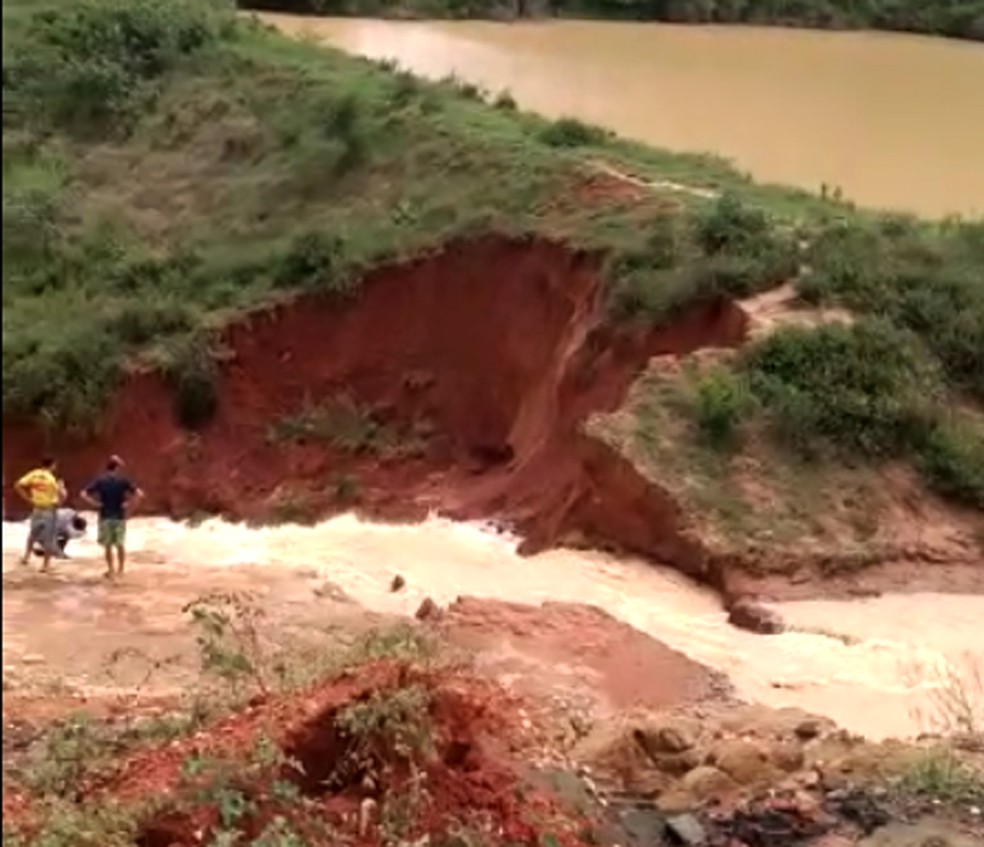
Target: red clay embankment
(496,349)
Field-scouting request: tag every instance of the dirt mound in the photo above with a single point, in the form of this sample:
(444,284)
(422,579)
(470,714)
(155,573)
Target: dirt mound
(487,356)
(386,752)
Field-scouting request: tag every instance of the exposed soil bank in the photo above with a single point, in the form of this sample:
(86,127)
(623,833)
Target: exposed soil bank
(486,358)
(493,352)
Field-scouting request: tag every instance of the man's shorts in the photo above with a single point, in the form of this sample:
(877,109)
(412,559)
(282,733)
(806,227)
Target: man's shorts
(43,526)
(112,532)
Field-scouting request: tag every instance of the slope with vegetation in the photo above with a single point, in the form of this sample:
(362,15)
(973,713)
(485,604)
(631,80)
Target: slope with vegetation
(950,18)
(170,168)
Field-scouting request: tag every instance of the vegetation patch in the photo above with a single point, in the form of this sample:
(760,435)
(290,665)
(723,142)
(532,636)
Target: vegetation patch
(346,425)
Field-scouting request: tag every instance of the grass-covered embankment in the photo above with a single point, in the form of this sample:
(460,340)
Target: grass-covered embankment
(168,165)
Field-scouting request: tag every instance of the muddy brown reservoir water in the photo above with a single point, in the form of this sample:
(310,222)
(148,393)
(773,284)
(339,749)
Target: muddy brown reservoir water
(894,121)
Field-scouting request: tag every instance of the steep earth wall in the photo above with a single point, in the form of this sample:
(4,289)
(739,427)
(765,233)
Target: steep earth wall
(496,349)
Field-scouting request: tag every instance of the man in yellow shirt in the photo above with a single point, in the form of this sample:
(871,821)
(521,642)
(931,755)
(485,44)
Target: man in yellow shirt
(42,489)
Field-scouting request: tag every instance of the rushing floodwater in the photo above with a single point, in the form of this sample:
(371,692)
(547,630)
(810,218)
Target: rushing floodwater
(876,685)
(895,121)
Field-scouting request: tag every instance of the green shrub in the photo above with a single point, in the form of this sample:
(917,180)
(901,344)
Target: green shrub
(193,374)
(84,65)
(313,259)
(725,251)
(32,196)
(505,102)
(340,421)
(922,277)
(952,461)
(866,389)
(138,324)
(721,403)
(570,132)
(63,373)
(730,226)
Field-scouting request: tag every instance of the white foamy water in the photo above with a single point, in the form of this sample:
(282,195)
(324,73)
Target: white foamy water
(880,683)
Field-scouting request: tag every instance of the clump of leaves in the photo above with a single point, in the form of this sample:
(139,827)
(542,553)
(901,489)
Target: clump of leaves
(866,389)
(344,423)
(228,639)
(721,402)
(570,132)
(389,725)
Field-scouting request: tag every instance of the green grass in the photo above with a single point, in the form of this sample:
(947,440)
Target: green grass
(168,166)
(345,424)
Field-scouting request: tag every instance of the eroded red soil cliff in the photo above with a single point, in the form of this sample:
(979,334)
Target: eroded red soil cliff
(496,350)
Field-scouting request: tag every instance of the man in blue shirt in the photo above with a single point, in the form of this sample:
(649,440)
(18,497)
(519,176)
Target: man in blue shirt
(111,493)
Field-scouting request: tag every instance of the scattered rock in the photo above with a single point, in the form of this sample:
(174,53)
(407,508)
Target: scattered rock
(808,729)
(643,826)
(667,738)
(746,762)
(676,801)
(678,763)
(787,756)
(706,782)
(32,659)
(755,618)
(773,824)
(397,583)
(860,808)
(428,611)
(687,830)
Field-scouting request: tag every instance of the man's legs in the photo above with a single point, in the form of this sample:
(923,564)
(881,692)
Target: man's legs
(33,531)
(105,539)
(46,536)
(112,535)
(30,545)
(120,538)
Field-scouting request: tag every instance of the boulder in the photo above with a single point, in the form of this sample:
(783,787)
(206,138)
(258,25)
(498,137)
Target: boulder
(706,782)
(686,830)
(678,764)
(786,756)
(808,729)
(428,611)
(670,737)
(746,762)
(755,618)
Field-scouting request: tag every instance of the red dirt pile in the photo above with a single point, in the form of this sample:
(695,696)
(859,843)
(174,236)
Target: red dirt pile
(493,352)
(341,765)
